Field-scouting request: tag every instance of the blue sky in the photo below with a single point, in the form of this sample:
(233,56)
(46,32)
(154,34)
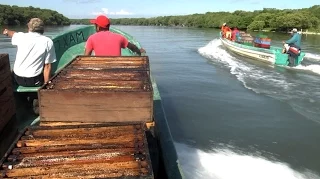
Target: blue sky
(149,8)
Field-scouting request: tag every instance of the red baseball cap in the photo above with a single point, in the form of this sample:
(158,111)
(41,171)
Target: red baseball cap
(101,21)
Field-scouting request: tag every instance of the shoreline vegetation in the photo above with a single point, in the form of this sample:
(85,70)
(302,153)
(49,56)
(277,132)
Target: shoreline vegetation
(311,33)
(306,32)
(15,16)
(306,20)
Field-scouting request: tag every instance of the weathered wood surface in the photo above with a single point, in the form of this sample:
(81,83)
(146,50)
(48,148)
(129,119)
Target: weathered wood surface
(98,95)
(95,107)
(111,63)
(7,102)
(51,152)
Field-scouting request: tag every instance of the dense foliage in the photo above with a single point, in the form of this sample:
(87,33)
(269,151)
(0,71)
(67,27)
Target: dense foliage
(14,15)
(268,18)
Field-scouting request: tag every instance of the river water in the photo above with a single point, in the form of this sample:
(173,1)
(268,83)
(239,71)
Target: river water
(232,117)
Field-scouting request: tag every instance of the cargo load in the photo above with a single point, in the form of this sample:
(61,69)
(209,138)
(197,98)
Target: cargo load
(262,41)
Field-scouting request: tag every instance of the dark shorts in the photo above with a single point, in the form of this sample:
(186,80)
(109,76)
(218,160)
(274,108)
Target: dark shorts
(29,81)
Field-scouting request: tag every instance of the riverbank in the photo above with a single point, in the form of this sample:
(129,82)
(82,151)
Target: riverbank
(314,33)
(301,32)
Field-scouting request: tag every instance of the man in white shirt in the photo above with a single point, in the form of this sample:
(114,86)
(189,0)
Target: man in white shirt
(35,54)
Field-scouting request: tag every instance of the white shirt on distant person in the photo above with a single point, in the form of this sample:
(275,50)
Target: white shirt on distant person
(34,51)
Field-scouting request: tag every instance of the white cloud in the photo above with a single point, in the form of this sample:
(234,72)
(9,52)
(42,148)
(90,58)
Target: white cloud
(107,12)
(123,12)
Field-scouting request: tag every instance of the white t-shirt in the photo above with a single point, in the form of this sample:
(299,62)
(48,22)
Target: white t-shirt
(34,50)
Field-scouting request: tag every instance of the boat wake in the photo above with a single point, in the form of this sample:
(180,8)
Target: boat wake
(312,57)
(312,68)
(299,90)
(214,50)
(241,69)
(225,163)
(310,63)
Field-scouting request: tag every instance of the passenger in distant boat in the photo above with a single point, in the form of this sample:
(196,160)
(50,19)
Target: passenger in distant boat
(222,30)
(293,46)
(226,31)
(34,56)
(106,43)
(235,34)
(294,41)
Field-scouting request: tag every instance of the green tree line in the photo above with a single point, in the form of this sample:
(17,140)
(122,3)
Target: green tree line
(268,19)
(14,15)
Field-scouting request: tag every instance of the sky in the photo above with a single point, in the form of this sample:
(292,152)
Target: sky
(153,8)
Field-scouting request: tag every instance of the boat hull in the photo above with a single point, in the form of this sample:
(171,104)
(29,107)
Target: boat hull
(69,45)
(261,56)
(273,55)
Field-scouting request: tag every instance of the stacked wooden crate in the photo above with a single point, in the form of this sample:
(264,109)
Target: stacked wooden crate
(7,102)
(99,89)
(79,152)
(93,117)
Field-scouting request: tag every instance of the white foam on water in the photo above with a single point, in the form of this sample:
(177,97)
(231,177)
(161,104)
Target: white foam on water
(311,56)
(313,68)
(240,69)
(226,164)
(213,51)
(269,80)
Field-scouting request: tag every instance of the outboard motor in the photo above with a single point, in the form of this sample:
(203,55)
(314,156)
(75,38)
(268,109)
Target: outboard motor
(293,53)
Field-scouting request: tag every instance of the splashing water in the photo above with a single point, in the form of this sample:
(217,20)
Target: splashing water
(224,163)
(313,68)
(294,86)
(300,90)
(241,69)
(313,57)
(214,50)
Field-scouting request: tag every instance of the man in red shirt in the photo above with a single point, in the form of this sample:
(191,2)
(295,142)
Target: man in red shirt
(106,43)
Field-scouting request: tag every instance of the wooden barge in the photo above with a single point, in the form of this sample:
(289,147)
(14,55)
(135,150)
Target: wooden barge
(96,121)
(87,127)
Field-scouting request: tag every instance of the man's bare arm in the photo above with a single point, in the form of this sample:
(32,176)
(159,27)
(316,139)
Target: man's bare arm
(87,52)
(46,72)
(135,49)
(8,32)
